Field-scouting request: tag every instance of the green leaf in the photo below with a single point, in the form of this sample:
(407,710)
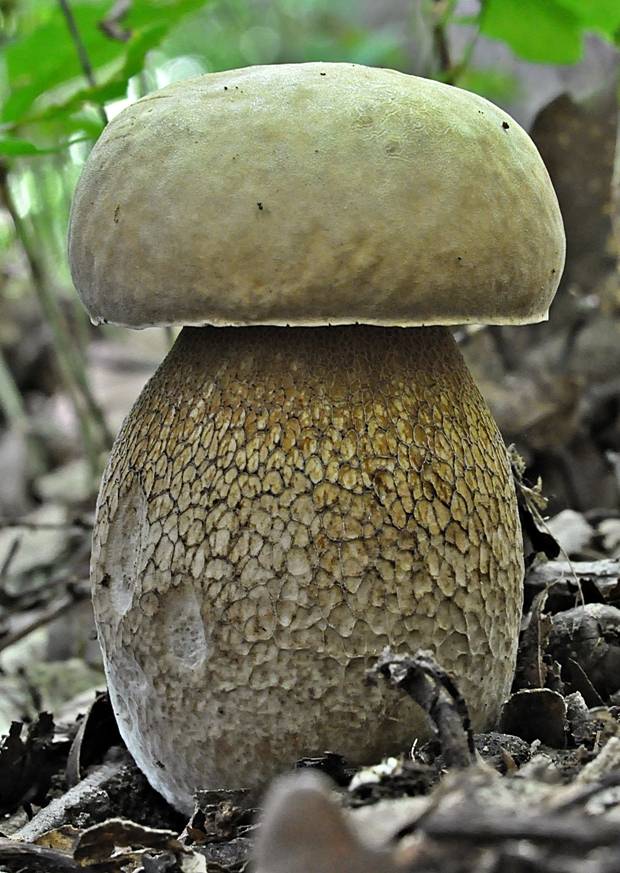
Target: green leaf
(600,15)
(546,31)
(13,147)
(33,69)
(493,84)
(115,87)
(46,57)
(466,20)
(549,31)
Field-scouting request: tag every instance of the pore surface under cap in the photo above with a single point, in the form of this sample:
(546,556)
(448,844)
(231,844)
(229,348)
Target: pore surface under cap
(313,194)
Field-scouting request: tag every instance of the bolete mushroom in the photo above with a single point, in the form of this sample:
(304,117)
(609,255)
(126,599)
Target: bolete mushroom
(311,474)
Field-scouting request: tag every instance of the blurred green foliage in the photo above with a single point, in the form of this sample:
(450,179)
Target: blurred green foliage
(549,31)
(42,79)
(52,102)
(47,104)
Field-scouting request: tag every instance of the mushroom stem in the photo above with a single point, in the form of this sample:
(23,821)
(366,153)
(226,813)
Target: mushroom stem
(281,504)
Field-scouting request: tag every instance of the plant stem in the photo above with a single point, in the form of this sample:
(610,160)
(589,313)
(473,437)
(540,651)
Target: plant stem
(81,51)
(451,72)
(440,14)
(95,434)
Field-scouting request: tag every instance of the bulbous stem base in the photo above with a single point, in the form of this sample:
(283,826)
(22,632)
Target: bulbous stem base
(281,504)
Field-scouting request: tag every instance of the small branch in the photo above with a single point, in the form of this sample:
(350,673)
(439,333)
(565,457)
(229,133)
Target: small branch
(606,572)
(70,578)
(79,799)
(469,824)
(441,14)
(440,42)
(452,71)
(434,690)
(169,331)
(37,596)
(81,51)
(111,24)
(503,348)
(74,526)
(10,556)
(459,68)
(45,616)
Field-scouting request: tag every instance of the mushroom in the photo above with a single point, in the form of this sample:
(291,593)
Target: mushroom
(311,474)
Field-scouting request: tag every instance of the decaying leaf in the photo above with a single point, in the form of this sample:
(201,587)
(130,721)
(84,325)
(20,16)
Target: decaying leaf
(532,504)
(536,714)
(27,858)
(118,841)
(97,732)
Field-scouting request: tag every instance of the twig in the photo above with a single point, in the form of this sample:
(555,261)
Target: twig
(522,858)
(587,792)
(606,571)
(10,398)
(6,564)
(434,690)
(80,798)
(461,66)
(451,72)
(111,23)
(169,331)
(81,51)
(470,824)
(440,12)
(34,596)
(77,525)
(441,46)
(503,348)
(37,595)
(44,617)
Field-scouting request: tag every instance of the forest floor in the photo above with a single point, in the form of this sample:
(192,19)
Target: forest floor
(541,794)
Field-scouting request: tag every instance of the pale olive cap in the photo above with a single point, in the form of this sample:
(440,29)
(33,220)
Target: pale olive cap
(315,194)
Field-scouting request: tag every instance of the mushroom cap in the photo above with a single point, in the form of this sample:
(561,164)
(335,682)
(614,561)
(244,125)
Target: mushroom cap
(312,194)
